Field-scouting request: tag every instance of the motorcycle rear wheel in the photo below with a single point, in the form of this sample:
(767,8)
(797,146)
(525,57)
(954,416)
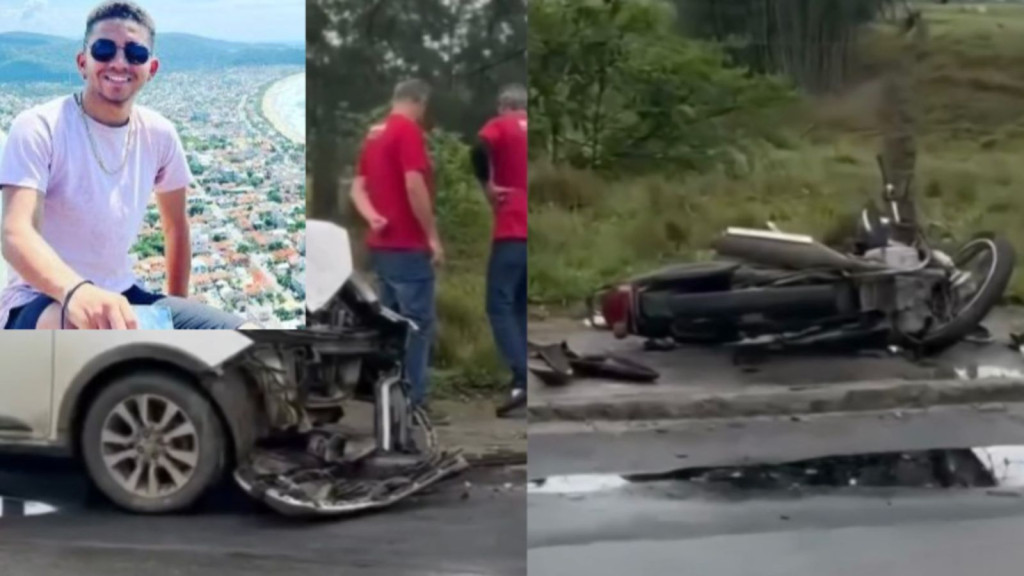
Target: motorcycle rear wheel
(987,297)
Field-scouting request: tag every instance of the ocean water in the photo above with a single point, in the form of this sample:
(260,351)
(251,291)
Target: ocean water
(289,101)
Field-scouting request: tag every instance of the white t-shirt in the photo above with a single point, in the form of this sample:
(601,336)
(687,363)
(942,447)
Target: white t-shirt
(90,218)
(4,267)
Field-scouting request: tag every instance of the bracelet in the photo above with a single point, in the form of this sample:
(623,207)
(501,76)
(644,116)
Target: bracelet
(64,305)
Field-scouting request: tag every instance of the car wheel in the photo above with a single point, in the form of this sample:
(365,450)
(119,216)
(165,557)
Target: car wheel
(153,444)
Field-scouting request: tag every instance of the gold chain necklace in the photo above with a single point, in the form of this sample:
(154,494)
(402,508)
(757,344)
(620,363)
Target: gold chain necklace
(92,142)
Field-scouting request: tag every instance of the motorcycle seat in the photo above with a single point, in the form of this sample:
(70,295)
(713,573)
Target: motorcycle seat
(685,273)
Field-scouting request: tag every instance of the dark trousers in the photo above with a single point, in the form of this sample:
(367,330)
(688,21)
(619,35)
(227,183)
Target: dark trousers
(406,281)
(506,304)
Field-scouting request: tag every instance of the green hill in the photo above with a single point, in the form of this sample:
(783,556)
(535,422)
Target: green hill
(26,57)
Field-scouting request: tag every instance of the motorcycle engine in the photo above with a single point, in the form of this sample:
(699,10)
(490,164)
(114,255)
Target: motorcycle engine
(905,299)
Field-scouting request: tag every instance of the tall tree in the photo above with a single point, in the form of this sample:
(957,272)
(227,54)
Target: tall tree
(810,41)
(358,49)
(615,86)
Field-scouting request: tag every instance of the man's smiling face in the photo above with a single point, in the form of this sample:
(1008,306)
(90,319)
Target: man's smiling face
(118,80)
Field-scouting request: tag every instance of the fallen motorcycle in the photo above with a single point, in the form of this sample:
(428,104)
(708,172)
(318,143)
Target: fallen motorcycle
(768,287)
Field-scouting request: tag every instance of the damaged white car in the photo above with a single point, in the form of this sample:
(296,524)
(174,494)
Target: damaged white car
(158,418)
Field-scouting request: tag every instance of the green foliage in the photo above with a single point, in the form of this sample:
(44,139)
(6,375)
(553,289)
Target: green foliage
(358,50)
(615,87)
(466,357)
(810,41)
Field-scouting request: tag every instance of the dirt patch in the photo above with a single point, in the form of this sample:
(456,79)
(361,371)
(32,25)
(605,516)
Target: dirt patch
(483,438)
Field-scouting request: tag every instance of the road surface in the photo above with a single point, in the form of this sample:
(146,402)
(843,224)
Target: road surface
(672,528)
(455,531)
(561,448)
(657,530)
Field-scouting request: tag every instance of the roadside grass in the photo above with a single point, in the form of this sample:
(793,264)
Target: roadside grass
(588,229)
(630,226)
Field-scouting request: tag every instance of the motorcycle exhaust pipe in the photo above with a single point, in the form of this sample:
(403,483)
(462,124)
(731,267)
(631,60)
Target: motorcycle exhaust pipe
(797,301)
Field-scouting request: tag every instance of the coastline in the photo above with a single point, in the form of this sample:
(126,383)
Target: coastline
(273,115)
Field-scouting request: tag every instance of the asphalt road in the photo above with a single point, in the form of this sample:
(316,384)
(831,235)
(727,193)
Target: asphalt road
(564,448)
(659,530)
(457,530)
(606,526)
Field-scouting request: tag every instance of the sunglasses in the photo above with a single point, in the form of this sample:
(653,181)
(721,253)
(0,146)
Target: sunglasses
(104,50)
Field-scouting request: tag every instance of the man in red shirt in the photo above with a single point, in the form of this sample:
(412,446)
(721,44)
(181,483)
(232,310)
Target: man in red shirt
(393,191)
(500,164)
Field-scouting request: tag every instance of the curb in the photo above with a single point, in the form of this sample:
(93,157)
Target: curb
(497,459)
(677,404)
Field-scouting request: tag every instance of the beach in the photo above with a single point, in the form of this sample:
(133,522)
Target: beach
(284,106)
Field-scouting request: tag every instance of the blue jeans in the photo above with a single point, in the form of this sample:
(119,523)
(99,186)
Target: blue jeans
(406,284)
(186,314)
(506,304)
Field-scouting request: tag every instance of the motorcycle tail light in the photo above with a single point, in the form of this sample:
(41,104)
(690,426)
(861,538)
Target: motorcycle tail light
(616,308)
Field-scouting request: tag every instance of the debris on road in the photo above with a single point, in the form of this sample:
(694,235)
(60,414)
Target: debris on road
(561,364)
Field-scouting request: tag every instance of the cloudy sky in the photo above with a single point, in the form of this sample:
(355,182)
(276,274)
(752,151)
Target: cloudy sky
(239,20)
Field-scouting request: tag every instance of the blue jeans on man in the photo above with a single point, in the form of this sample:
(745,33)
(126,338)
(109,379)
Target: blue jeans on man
(506,305)
(406,283)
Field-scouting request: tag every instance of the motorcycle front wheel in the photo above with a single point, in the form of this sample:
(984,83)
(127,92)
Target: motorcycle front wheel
(966,310)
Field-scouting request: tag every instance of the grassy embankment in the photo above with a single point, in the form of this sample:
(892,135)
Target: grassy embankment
(969,95)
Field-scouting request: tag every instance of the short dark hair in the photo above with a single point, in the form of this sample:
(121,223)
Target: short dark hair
(112,10)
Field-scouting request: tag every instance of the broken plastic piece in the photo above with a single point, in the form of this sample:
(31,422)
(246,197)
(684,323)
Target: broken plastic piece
(566,363)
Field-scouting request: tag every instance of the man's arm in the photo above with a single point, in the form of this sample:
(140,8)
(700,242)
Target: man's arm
(26,250)
(177,240)
(362,201)
(419,199)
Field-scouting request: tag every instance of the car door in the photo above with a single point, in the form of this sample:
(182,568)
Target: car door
(26,384)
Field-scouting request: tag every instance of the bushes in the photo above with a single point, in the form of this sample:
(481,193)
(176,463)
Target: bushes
(466,359)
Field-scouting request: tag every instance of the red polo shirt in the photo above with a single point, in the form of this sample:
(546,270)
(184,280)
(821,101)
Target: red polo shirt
(506,137)
(391,149)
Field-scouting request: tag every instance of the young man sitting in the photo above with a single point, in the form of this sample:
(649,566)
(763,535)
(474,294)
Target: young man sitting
(78,174)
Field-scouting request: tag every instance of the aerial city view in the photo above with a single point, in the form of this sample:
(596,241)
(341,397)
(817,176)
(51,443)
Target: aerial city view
(240,111)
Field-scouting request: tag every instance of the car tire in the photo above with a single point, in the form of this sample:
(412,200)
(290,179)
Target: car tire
(182,462)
